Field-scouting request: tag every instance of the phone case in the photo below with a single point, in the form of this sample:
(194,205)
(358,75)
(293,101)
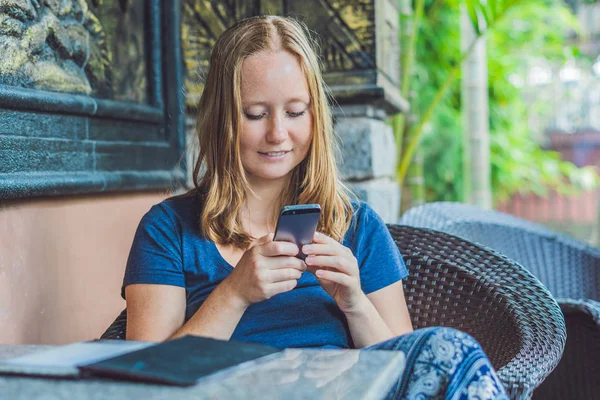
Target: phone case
(297,224)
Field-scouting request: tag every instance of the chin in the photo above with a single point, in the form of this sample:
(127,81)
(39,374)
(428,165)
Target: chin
(270,175)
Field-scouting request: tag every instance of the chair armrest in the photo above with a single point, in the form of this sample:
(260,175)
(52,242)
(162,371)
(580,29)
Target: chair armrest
(589,307)
(116,330)
(454,282)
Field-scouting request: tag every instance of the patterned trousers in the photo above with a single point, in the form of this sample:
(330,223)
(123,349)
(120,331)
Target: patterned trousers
(443,363)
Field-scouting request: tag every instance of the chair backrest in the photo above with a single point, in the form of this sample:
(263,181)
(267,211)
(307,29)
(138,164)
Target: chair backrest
(454,282)
(117,330)
(567,267)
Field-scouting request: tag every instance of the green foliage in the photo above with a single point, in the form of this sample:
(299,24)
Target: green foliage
(483,18)
(486,14)
(529,29)
(438,50)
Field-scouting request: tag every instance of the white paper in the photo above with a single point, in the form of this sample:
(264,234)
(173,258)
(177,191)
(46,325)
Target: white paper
(63,360)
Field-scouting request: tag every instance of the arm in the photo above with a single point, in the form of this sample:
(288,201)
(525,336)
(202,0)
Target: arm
(382,315)
(372,318)
(156,313)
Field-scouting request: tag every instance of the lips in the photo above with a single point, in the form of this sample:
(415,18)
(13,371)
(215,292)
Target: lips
(274,153)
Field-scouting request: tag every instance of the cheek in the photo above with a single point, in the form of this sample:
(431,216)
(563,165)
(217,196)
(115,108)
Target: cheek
(307,133)
(249,136)
(303,131)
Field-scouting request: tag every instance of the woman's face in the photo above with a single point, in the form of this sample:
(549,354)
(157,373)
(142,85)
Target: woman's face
(276,121)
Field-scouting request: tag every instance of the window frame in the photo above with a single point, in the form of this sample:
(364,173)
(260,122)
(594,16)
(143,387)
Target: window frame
(55,143)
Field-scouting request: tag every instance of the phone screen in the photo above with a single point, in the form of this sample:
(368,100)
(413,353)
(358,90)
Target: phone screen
(297,224)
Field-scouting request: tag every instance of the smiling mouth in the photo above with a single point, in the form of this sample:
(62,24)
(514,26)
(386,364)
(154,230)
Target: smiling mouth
(275,153)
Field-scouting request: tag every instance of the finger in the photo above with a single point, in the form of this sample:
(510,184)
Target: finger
(336,262)
(282,287)
(320,237)
(278,248)
(281,262)
(262,240)
(312,268)
(284,274)
(337,277)
(321,249)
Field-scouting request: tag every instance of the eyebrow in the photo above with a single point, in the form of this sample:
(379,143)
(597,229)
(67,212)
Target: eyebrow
(264,103)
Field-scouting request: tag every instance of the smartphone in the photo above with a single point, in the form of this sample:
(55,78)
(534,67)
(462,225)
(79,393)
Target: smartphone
(297,224)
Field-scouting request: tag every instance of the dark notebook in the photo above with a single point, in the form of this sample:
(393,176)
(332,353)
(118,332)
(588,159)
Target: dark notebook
(179,362)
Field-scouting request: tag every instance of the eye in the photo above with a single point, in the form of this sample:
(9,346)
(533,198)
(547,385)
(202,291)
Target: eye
(254,116)
(296,114)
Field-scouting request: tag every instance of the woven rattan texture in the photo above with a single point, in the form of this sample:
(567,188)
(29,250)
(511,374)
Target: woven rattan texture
(116,330)
(569,268)
(455,283)
(582,340)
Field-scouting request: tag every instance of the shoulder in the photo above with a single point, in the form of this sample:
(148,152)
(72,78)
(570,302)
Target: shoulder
(364,215)
(180,211)
(364,221)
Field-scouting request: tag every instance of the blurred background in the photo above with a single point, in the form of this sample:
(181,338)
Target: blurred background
(530,93)
(494,103)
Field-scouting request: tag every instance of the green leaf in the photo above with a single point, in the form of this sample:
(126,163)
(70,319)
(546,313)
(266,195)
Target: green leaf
(483,10)
(517,30)
(472,6)
(493,5)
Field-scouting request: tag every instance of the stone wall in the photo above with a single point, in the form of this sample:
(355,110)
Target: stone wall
(368,161)
(359,53)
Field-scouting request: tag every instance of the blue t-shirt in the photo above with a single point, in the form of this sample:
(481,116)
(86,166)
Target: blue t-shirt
(169,249)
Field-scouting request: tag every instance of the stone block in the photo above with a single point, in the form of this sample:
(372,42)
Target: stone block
(359,110)
(30,155)
(368,149)
(132,156)
(383,195)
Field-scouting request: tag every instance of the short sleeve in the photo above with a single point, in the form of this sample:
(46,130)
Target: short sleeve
(379,259)
(155,256)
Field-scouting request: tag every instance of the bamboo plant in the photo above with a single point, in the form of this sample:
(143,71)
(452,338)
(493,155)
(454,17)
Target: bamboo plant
(409,128)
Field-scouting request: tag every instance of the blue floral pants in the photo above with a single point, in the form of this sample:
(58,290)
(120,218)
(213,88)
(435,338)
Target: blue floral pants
(443,363)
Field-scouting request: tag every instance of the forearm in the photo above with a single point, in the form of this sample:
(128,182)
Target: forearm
(218,316)
(366,325)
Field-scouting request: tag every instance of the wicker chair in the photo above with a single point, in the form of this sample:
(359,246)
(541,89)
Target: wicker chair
(453,282)
(568,268)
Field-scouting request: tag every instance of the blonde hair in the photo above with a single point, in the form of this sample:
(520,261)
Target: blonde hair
(223,185)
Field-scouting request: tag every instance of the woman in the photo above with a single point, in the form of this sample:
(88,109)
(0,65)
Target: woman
(206,264)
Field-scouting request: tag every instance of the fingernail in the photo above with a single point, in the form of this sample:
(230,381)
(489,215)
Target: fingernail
(306,248)
(319,272)
(308,260)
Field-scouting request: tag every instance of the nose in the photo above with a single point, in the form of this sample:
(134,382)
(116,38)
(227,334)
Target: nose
(277,129)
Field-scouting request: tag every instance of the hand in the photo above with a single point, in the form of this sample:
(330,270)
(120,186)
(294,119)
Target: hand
(336,269)
(265,269)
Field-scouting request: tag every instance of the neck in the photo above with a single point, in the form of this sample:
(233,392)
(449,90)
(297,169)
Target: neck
(260,205)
